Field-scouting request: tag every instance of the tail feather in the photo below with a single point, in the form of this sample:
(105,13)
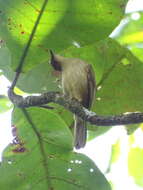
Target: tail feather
(80,133)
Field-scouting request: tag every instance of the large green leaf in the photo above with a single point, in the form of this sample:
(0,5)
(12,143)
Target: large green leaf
(63,23)
(47,162)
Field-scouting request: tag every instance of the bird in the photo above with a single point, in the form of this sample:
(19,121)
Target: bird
(78,82)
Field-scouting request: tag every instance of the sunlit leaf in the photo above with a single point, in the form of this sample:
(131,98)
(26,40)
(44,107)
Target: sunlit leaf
(63,23)
(5,104)
(135,165)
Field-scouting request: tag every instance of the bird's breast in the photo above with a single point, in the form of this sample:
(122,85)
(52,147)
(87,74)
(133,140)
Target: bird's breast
(74,81)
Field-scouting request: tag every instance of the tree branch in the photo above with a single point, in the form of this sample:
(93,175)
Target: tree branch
(75,107)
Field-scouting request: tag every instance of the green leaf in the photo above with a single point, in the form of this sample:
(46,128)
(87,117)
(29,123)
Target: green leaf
(137,50)
(5,104)
(47,162)
(66,115)
(135,165)
(63,23)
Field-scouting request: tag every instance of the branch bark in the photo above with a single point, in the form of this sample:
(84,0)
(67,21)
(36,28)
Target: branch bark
(75,107)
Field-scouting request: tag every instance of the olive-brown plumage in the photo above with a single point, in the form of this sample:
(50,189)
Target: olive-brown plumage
(78,81)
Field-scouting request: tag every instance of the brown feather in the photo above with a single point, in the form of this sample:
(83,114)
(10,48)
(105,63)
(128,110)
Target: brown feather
(87,101)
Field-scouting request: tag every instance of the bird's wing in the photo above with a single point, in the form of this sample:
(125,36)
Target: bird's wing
(91,86)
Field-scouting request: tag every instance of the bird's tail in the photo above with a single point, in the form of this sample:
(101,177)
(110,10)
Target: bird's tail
(80,133)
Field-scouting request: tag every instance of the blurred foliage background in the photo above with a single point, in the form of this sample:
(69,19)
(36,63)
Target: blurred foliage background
(100,33)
